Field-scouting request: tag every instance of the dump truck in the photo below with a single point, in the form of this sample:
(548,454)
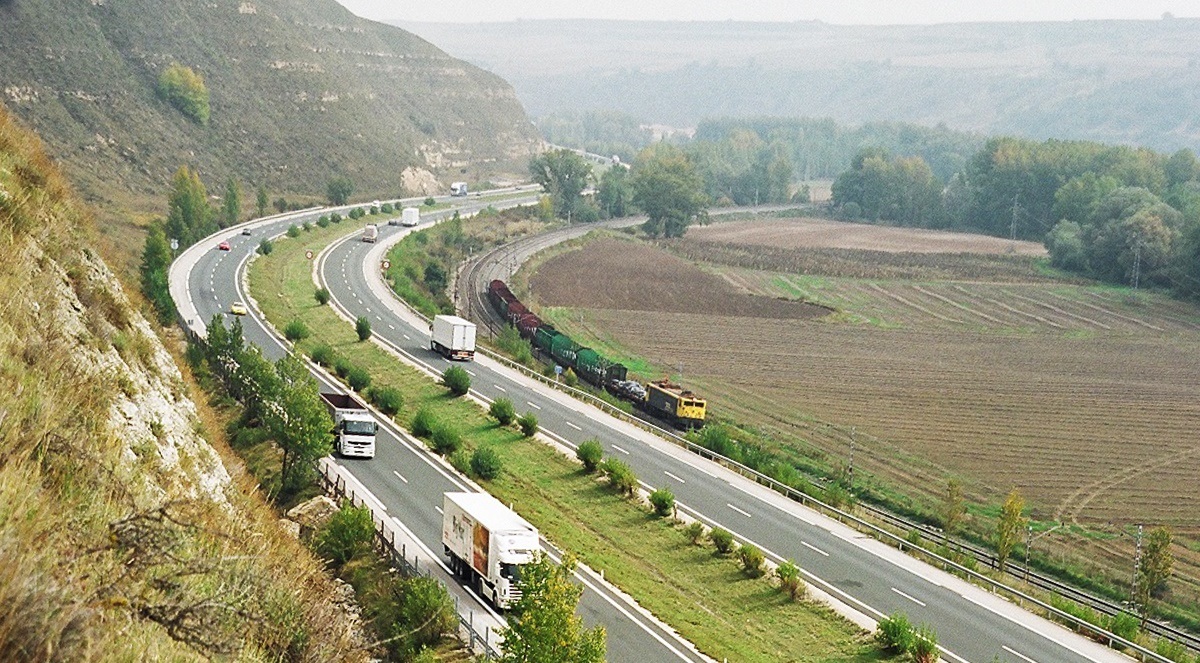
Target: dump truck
(487,543)
(353,426)
(453,337)
(370,233)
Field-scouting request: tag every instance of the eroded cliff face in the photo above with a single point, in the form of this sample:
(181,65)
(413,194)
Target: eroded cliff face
(122,534)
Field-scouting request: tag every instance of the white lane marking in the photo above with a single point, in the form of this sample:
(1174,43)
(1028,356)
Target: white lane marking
(500,388)
(392,327)
(439,510)
(471,373)
(620,449)
(534,405)
(399,476)
(379,318)
(214,296)
(917,601)
(813,548)
(744,513)
(573,426)
(1017,654)
(383,506)
(674,477)
(407,337)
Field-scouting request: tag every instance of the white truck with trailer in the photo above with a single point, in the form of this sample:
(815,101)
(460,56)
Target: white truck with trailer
(458,189)
(353,426)
(453,337)
(370,233)
(487,544)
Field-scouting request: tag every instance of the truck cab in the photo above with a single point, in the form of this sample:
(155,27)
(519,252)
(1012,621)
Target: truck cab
(356,436)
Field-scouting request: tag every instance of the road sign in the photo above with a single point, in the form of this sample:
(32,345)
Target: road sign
(387,264)
(308,254)
(557,369)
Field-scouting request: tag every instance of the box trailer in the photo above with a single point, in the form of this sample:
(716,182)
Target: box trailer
(487,544)
(370,233)
(453,337)
(411,216)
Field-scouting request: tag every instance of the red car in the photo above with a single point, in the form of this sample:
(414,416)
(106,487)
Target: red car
(224,246)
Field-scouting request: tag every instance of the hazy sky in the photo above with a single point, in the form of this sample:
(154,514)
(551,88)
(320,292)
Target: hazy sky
(831,11)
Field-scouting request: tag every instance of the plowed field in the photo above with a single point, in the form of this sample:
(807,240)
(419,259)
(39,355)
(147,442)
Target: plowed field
(1086,398)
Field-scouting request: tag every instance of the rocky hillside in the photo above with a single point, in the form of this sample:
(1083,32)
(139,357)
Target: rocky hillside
(122,534)
(299,92)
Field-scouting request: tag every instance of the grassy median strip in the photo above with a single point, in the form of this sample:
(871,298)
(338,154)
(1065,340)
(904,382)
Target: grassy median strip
(705,597)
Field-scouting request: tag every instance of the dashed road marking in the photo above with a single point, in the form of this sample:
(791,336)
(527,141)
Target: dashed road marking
(500,388)
(573,425)
(741,511)
(813,548)
(399,476)
(439,510)
(1017,654)
(534,405)
(674,477)
(471,373)
(620,449)
(917,601)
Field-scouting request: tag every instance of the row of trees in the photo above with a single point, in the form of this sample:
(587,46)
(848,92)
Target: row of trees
(281,397)
(1115,213)
(664,184)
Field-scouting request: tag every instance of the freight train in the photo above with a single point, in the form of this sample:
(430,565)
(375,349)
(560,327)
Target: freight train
(661,398)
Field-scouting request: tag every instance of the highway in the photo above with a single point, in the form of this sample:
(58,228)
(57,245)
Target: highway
(869,577)
(404,480)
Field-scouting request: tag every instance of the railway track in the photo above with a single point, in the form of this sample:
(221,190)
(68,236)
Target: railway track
(502,262)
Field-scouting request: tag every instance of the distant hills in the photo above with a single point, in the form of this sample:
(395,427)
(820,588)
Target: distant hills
(300,92)
(1135,82)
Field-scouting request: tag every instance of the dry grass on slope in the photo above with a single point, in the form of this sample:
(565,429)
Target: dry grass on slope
(121,535)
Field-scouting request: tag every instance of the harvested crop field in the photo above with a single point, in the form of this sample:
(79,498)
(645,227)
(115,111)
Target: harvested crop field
(807,233)
(615,274)
(1084,397)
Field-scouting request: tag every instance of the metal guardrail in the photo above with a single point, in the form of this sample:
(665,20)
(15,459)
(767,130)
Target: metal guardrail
(385,544)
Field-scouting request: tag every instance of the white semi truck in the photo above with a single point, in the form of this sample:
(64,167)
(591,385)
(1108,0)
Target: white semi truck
(410,217)
(453,337)
(370,233)
(487,543)
(458,189)
(353,426)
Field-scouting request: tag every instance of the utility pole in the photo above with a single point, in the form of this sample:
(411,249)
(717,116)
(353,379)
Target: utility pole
(1137,564)
(1137,262)
(850,467)
(1012,233)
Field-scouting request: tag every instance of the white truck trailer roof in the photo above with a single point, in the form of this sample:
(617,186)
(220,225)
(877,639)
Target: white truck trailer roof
(490,512)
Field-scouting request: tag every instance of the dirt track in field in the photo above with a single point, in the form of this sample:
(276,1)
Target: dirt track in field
(614,274)
(801,233)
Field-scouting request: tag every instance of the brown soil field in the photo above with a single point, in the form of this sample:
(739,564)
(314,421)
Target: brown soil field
(615,274)
(806,233)
(1084,397)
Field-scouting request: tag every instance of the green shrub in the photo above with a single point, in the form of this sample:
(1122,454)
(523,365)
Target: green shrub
(334,217)
(894,634)
(322,296)
(423,423)
(339,190)
(485,463)
(347,535)
(426,613)
(386,208)
(358,378)
(373,211)
(590,453)
(923,648)
(503,411)
(265,247)
(1124,625)
(569,378)
(389,400)
(293,231)
(752,560)
(620,476)
(296,331)
(528,423)
(322,355)
(694,532)
(307,227)
(461,461)
(184,89)
(342,366)
(362,327)
(446,440)
(323,222)
(430,202)
(356,213)
(789,580)
(722,540)
(663,501)
(457,380)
